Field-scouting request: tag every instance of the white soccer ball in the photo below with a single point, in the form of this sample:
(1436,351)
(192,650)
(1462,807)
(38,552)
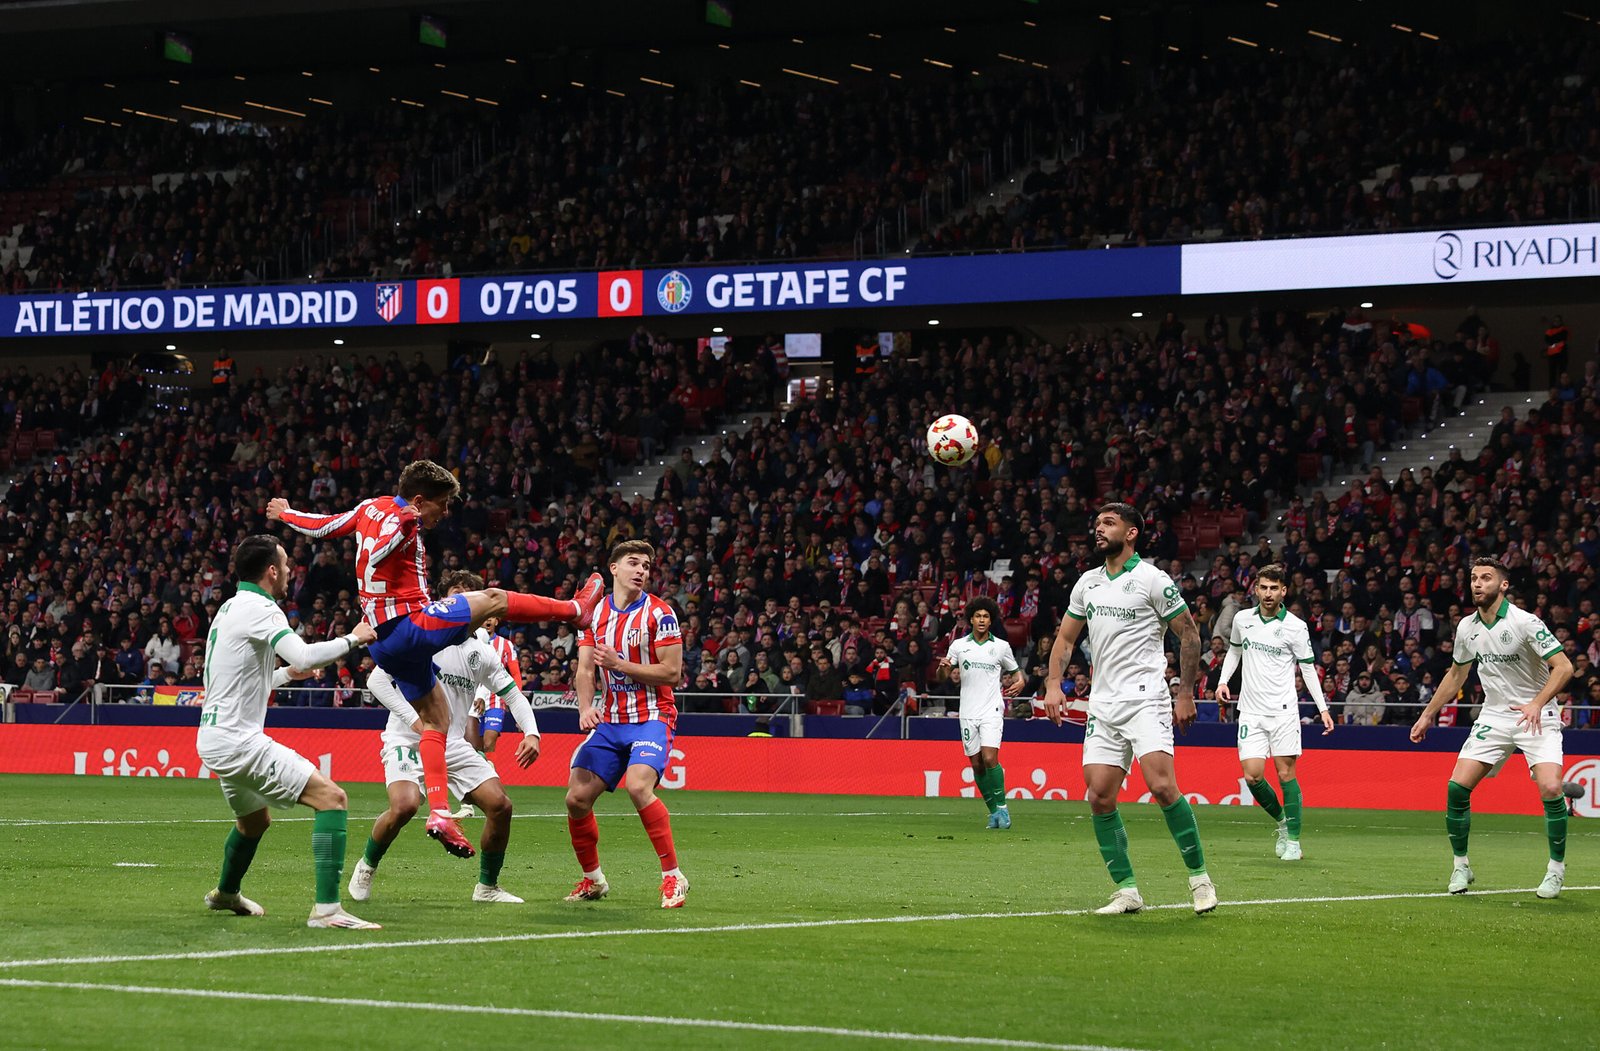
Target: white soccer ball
(952,440)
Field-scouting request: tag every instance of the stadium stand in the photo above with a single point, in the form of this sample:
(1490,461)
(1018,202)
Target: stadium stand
(825,529)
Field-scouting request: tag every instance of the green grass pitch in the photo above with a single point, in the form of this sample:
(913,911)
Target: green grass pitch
(836,922)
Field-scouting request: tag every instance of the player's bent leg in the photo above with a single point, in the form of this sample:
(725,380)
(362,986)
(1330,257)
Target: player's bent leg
(994,781)
(404,799)
(433,710)
(329,832)
(1254,770)
(1293,809)
(640,781)
(583,788)
(237,853)
(1548,777)
(1458,817)
(491,798)
(1160,776)
(1111,836)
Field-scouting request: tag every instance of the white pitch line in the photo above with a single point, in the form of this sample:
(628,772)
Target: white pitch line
(43,822)
(729,928)
(134,864)
(577,1016)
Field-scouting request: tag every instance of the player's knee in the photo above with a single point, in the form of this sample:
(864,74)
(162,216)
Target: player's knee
(404,811)
(1254,779)
(498,808)
(641,794)
(337,798)
(494,602)
(577,804)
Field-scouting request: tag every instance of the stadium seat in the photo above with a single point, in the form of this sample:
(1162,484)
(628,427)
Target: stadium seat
(44,439)
(824,707)
(1410,410)
(22,446)
(1308,466)
(1209,535)
(1232,524)
(499,518)
(1017,629)
(628,450)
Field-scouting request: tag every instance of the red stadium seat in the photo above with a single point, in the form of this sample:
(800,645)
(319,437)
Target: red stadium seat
(499,518)
(22,446)
(1017,629)
(824,707)
(1232,524)
(1209,536)
(44,439)
(1308,466)
(1410,410)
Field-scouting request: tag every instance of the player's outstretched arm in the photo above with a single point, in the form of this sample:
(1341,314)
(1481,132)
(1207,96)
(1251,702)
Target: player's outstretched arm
(1449,689)
(1066,638)
(312,525)
(1183,710)
(299,653)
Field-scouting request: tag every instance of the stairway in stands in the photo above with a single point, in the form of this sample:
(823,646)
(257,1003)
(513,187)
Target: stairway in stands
(1468,429)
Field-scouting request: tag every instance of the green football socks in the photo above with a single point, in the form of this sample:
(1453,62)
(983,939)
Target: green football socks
(1267,799)
(1112,836)
(240,850)
(1186,833)
(1555,827)
(992,786)
(375,851)
(328,832)
(1458,817)
(1291,808)
(489,863)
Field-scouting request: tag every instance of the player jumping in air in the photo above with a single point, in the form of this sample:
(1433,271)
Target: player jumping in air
(1272,644)
(248,636)
(392,572)
(635,642)
(463,670)
(1522,668)
(1127,604)
(987,671)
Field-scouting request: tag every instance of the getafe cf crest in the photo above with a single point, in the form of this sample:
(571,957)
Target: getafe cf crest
(390,299)
(674,292)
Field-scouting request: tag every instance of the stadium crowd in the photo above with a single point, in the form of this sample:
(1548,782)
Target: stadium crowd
(1260,146)
(702,173)
(1270,145)
(821,554)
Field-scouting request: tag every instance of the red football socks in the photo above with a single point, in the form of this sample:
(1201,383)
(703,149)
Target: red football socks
(433,770)
(585,833)
(535,609)
(658,823)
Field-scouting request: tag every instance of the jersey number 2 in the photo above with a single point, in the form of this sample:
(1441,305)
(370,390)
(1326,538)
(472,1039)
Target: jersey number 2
(368,585)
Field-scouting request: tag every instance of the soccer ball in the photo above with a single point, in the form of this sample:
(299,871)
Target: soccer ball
(952,440)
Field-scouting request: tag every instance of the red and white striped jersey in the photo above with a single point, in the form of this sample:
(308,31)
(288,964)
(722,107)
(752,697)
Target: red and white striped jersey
(638,633)
(391,566)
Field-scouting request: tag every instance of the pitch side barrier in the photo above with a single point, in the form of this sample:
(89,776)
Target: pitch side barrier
(1357,766)
(1447,257)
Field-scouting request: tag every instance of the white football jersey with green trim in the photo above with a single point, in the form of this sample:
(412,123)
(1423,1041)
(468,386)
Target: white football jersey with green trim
(1511,655)
(1125,616)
